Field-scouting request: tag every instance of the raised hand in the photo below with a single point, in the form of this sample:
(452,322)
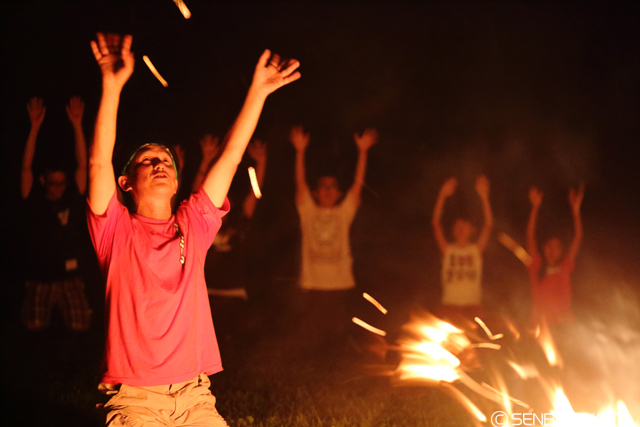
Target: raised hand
(210,147)
(36,110)
(298,138)
(535,196)
(272,73)
(448,188)
(75,109)
(482,186)
(257,150)
(116,62)
(367,140)
(575,198)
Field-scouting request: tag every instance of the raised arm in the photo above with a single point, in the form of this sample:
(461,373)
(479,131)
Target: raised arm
(300,141)
(258,152)
(482,187)
(447,189)
(270,74)
(575,201)
(364,142)
(535,197)
(116,68)
(75,110)
(36,111)
(210,146)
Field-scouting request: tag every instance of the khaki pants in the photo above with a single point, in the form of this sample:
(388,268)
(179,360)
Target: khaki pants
(185,404)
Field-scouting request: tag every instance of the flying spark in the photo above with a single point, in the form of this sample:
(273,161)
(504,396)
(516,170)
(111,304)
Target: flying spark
(373,301)
(368,327)
(254,182)
(183,8)
(155,72)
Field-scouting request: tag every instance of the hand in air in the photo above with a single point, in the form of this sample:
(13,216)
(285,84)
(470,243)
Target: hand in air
(482,186)
(535,196)
(367,140)
(116,60)
(257,150)
(272,73)
(210,147)
(75,109)
(36,110)
(298,138)
(575,198)
(448,188)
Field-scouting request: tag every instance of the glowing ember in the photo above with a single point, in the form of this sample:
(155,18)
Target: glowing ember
(368,327)
(183,8)
(147,61)
(514,247)
(487,331)
(254,183)
(373,301)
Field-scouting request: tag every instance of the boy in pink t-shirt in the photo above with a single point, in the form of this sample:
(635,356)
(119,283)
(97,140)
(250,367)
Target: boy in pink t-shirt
(161,344)
(551,289)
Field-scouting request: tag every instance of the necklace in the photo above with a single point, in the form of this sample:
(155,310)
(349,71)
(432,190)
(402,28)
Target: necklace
(175,224)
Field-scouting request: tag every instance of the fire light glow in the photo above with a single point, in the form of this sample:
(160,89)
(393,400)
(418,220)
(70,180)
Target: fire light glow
(439,354)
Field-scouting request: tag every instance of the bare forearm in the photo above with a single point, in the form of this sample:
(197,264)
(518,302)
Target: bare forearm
(101,176)
(301,179)
(218,180)
(577,235)
(81,158)
(27,162)
(361,169)
(532,244)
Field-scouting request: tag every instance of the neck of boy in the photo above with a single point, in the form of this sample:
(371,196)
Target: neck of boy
(156,209)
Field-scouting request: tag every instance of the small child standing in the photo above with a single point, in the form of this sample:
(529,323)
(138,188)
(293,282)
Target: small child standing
(326,276)
(552,288)
(462,259)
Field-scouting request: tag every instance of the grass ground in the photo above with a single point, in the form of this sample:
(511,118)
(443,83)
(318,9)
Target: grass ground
(50,379)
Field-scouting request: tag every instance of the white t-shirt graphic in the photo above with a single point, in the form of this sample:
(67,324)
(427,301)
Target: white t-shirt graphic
(326,250)
(462,275)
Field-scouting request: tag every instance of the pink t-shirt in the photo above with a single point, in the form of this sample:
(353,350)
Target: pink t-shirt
(158,321)
(552,293)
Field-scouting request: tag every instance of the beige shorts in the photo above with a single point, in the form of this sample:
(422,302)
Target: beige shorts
(185,404)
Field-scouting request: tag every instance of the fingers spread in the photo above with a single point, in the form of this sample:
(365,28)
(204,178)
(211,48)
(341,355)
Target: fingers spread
(102,44)
(292,77)
(262,62)
(96,51)
(126,44)
(290,67)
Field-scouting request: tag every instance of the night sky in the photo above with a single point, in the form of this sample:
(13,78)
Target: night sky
(526,93)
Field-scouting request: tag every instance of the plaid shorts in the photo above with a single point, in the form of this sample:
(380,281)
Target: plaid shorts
(68,294)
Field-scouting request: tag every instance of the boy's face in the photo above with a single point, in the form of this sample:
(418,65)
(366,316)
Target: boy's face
(552,251)
(462,232)
(150,174)
(55,184)
(327,192)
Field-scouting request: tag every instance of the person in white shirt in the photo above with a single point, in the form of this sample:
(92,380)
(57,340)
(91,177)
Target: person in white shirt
(326,275)
(462,258)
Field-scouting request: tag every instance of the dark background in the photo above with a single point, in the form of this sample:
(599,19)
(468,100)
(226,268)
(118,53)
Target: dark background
(540,94)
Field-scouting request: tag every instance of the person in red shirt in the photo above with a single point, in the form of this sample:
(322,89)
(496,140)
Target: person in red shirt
(160,341)
(550,272)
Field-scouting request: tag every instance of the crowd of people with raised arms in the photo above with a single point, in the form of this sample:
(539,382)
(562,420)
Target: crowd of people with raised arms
(169,270)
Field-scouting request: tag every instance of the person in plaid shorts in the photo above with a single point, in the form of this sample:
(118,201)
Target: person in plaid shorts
(55,217)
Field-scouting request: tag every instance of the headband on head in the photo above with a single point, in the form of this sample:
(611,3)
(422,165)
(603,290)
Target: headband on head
(135,153)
